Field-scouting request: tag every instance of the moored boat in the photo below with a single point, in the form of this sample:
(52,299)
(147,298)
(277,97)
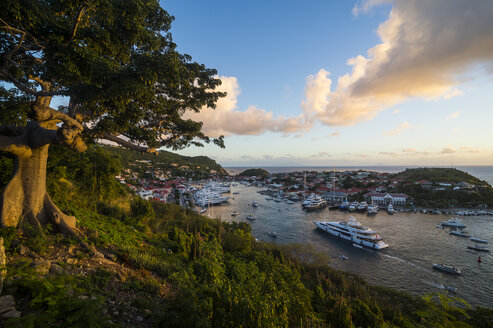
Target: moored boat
(272,234)
(459,233)
(353,231)
(447,268)
(480,248)
(454,222)
(479,240)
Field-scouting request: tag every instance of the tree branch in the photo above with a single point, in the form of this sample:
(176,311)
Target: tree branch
(15,145)
(78,19)
(127,144)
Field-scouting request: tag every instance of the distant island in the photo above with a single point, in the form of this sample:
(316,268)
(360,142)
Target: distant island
(261,173)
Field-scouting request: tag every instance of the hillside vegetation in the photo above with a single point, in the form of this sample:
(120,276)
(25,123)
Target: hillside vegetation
(196,166)
(261,173)
(447,175)
(162,266)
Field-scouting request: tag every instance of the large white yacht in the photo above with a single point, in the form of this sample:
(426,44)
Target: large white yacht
(207,197)
(353,231)
(314,202)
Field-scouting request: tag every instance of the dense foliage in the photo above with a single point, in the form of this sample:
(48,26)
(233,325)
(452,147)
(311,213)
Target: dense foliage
(191,271)
(165,161)
(260,173)
(435,174)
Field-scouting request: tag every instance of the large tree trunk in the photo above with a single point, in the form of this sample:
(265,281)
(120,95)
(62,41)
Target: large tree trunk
(25,200)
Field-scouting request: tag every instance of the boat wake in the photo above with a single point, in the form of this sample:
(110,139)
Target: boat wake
(406,262)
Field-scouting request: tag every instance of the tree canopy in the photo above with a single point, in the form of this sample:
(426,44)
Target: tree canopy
(116,66)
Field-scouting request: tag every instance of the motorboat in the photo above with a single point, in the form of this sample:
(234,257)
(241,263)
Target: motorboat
(479,240)
(353,231)
(344,205)
(235,213)
(344,257)
(362,207)
(255,204)
(480,248)
(353,206)
(357,246)
(202,211)
(272,234)
(439,226)
(250,217)
(236,192)
(459,233)
(373,209)
(289,201)
(390,209)
(454,222)
(206,197)
(314,202)
(447,268)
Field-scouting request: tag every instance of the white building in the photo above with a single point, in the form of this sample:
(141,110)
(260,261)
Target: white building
(386,198)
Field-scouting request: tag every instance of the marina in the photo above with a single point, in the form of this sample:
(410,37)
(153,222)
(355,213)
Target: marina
(414,244)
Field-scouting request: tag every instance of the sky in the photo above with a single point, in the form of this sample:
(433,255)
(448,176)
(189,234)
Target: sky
(335,83)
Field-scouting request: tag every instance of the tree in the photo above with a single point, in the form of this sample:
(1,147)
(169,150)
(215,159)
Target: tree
(114,66)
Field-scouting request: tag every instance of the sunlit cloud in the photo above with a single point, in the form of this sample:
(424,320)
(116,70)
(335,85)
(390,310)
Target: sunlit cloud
(469,150)
(321,154)
(426,50)
(453,115)
(227,120)
(398,130)
(396,111)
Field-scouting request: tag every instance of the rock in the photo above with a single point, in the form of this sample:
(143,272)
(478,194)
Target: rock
(71,260)
(3,270)
(7,309)
(6,301)
(56,269)
(11,314)
(70,249)
(139,318)
(42,266)
(24,250)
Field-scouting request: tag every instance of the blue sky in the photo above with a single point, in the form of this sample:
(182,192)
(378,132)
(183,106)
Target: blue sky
(416,90)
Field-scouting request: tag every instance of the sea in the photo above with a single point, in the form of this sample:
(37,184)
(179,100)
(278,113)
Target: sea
(415,241)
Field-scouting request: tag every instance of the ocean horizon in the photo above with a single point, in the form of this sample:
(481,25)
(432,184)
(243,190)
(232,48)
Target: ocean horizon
(483,172)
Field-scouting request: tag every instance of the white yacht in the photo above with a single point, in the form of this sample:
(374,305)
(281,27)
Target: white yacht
(454,222)
(208,197)
(353,207)
(314,202)
(373,209)
(353,231)
(363,206)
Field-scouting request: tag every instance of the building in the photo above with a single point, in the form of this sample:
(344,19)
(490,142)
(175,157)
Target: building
(386,198)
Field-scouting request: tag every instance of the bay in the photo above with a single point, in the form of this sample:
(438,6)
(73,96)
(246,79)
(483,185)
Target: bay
(415,244)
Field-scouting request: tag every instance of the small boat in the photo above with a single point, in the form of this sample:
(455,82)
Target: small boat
(357,245)
(480,248)
(459,233)
(272,234)
(390,209)
(478,240)
(235,213)
(202,211)
(439,226)
(250,217)
(344,257)
(447,268)
(236,192)
(289,202)
(254,204)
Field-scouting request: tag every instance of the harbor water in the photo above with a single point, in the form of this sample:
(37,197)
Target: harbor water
(415,244)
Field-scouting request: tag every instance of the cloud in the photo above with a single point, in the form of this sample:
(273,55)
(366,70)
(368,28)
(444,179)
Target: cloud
(448,150)
(321,154)
(396,111)
(333,134)
(226,119)
(398,130)
(453,115)
(426,50)
(365,6)
(469,150)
